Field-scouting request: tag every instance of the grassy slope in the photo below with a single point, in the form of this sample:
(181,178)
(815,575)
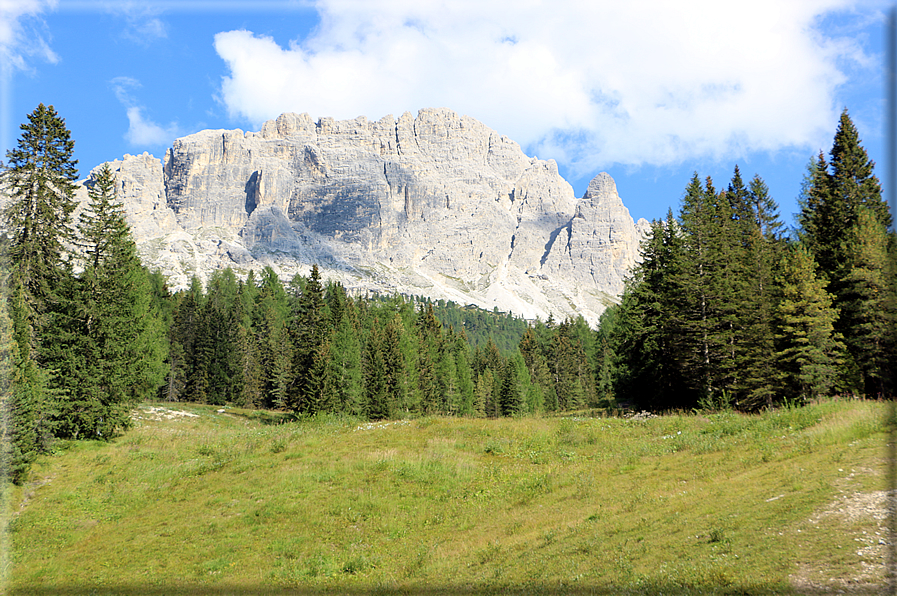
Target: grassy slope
(224,504)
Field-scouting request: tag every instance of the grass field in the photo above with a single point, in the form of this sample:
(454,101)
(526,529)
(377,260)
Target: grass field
(790,501)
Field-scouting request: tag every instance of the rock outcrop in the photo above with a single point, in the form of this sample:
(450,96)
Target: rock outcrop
(438,205)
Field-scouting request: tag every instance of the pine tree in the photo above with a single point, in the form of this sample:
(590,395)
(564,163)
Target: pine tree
(185,329)
(115,354)
(310,331)
(647,342)
(515,387)
(568,366)
(834,195)
(270,324)
(176,379)
(606,358)
(757,386)
(537,367)
(376,383)
(483,393)
(466,387)
(252,387)
(708,286)
(809,352)
(869,305)
(346,350)
(39,179)
(395,365)
(430,379)
(23,387)
(490,360)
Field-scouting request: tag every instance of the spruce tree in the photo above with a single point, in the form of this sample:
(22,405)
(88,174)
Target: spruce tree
(252,387)
(537,367)
(650,349)
(270,321)
(115,353)
(39,179)
(395,365)
(834,195)
(430,380)
(461,351)
(757,386)
(483,393)
(708,284)
(23,388)
(869,306)
(808,351)
(310,330)
(376,383)
(185,329)
(346,351)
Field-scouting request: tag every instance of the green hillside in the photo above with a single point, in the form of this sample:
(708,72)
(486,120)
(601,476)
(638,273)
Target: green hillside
(244,502)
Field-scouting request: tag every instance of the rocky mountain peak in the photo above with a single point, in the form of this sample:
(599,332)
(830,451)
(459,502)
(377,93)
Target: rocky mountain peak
(600,187)
(436,204)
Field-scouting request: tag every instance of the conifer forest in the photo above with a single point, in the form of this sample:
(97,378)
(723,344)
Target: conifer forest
(729,308)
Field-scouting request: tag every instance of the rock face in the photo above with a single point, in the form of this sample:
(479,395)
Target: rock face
(439,205)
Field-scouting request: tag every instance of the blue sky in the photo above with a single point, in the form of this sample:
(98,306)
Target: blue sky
(649,91)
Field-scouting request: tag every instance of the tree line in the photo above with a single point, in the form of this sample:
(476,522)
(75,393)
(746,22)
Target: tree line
(726,309)
(310,347)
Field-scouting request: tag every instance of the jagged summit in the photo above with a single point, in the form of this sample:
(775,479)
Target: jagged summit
(437,205)
(601,187)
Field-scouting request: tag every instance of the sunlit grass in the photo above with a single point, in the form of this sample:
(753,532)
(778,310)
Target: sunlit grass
(243,502)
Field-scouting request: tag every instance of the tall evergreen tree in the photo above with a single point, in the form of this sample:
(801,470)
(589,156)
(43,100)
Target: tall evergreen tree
(809,353)
(376,383)
(395,365)
(461,351)
(270,321)
(310,332)
(116,352)
(252,388)
(834,195)
(757,387)
(648,346)
(23,387)
(869,306)
(39,178)
(708,282)
(537,367)
(483,393)
(346,350)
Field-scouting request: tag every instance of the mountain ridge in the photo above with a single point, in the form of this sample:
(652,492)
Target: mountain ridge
(437,205)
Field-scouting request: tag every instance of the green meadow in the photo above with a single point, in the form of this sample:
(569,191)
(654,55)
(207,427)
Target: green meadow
(239,502)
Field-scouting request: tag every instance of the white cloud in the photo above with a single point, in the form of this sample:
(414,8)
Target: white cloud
(145,29)
(591,83)
(145,133)
(141,131)
(20,37)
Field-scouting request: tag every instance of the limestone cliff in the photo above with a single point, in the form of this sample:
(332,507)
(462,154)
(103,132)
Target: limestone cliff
(438,205)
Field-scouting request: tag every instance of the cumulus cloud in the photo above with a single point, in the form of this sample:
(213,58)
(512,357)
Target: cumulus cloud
(590,83)
(141,132)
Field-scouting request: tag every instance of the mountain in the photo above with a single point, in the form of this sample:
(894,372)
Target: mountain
(438,205)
